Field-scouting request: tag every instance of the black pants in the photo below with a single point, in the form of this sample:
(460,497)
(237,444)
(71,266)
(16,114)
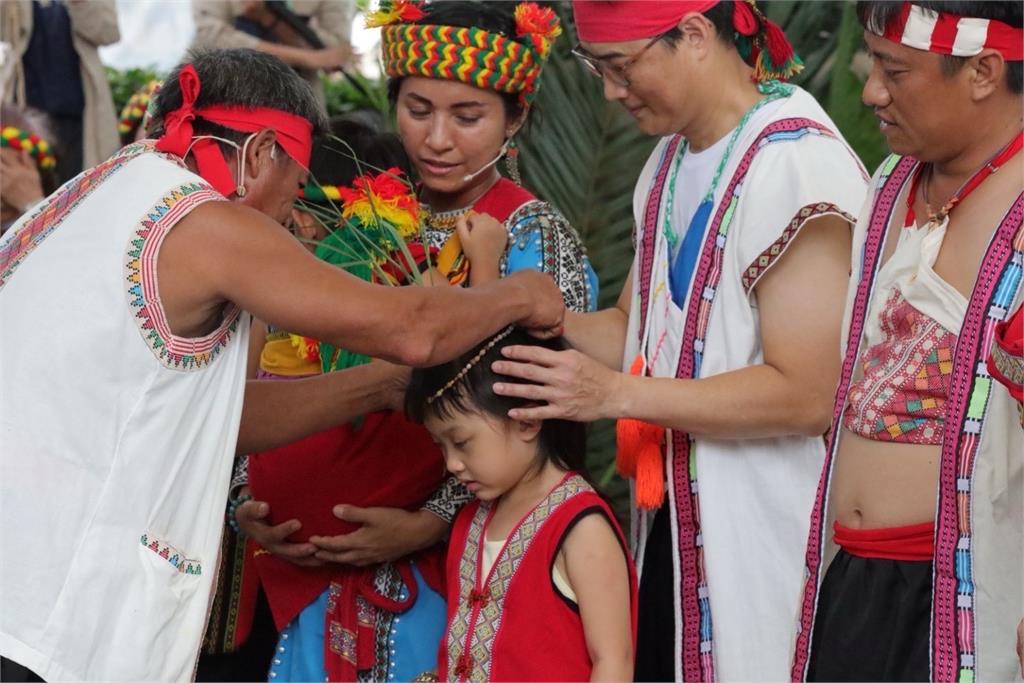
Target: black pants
(656,627)
(251,661)
(12,672)
(873,620)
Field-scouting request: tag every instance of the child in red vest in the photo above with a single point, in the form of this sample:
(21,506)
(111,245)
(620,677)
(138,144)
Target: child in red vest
(540,584)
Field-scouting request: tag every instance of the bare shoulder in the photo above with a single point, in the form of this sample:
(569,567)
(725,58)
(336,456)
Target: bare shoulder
(591,538)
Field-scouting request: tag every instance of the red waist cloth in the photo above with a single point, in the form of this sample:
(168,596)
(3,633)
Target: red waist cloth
(907,543)
(385,462)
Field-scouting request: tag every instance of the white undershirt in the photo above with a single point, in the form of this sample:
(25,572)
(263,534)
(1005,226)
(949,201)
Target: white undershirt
(697,170)
(493,548)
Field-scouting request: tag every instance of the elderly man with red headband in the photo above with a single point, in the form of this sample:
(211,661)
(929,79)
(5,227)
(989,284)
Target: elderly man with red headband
(725,333)
(915,561)
(125,299)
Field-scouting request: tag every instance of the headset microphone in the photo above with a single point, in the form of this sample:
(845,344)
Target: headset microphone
(492,162)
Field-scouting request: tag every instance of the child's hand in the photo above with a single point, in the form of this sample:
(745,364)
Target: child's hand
(483,240)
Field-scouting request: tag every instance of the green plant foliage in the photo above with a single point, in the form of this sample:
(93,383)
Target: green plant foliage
(125,82)
(828,37)
(343,97)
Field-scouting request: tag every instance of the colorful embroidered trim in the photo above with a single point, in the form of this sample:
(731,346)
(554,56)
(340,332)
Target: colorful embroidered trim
(176,353)
(894,173)
(477,619)
(169,553)
(697,640)
(774,252)
(135,109)
(49,214)
(953,633)
(471,55)
(16,138)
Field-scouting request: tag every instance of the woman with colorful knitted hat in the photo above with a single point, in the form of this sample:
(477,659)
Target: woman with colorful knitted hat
(27,163)
(463,76)
(344,616)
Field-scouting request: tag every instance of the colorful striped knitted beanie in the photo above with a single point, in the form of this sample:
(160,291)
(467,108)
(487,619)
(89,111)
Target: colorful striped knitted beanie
(412,46)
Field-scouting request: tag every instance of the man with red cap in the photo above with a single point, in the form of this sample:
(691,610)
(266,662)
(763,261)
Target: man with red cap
(725,332)
(915,560)
(122,359)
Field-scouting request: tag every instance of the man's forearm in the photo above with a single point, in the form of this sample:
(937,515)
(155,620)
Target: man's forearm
(309,405)
(753,402)
(600,335)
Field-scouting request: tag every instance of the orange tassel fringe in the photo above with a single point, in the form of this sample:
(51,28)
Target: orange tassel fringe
(639,454)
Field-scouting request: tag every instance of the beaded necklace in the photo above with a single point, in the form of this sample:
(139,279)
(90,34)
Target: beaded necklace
(446,220)
(991,166)
(686,257)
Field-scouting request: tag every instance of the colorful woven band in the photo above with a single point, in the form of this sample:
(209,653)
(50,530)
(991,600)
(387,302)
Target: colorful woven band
(16,138)
(294,133)
(491,61)
(136,107)
(950,34)
(320,193)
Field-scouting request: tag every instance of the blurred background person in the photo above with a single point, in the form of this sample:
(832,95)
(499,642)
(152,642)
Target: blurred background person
(59,72)
(27,162)
(308,35)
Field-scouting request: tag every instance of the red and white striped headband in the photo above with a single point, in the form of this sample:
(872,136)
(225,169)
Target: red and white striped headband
(950,34)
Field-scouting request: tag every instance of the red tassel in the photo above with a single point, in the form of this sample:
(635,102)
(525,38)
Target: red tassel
(777,44)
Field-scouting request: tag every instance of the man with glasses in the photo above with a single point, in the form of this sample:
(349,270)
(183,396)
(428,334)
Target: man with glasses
(727,330)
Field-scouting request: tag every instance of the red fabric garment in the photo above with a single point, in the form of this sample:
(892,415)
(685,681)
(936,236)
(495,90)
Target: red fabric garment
(907,543)
(386,461)
(502,199)
(294,133)
(1006,362)
(619,21)
(519,628)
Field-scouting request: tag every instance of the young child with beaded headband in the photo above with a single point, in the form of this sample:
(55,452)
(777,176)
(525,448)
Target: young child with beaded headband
(463,78)
(540,585)
(381,461)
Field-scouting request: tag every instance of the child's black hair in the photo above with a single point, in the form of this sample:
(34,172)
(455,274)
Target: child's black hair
(561,441)
(332,164)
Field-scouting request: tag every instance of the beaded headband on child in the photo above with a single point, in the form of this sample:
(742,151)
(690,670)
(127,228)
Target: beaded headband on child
(472,362)
(470,55)
(136,107)
(16,138)
(951,34)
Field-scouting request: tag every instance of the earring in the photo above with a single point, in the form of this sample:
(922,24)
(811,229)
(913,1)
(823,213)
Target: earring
(512,161)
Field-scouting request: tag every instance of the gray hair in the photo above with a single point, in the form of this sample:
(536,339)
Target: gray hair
(239,78)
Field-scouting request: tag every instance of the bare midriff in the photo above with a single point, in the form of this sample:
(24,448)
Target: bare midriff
(879,484)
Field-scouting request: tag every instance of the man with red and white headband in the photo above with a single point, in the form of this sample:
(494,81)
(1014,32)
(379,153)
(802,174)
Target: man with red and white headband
(122,360)
(721,351)
(915,560)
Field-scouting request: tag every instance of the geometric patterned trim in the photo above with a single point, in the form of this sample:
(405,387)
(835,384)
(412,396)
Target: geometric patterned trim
(893,176)
(953,619)
(1010,366)
(169,553)
(49,215)
(697,656)
(767,258)
(175,353)
(477,619)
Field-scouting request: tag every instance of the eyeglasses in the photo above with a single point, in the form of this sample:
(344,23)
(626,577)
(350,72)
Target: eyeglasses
(617,74)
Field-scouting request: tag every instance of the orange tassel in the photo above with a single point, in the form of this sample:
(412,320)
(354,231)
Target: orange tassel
(650,477)
(638,453)
(628,440)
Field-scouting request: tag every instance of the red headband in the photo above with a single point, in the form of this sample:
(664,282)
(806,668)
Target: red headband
(616,21)
(950,34)
(294,133)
